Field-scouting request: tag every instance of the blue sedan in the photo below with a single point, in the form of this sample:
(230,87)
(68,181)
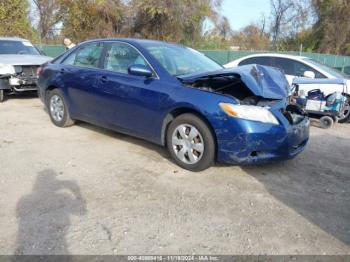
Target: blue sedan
(177,97)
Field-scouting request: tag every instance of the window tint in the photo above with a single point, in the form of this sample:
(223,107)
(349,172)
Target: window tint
(295,68)
(120,56)
(286,65)
(263,60)
(70,59)
(17,47)
(179,60)
(86,56)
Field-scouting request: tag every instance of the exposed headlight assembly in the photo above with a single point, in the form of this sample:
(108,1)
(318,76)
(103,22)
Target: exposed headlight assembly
(253,113)
(7,69)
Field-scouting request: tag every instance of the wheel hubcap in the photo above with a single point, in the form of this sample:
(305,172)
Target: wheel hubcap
(187,144)
(56,108)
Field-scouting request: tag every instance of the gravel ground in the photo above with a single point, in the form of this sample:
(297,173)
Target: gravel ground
(87,190)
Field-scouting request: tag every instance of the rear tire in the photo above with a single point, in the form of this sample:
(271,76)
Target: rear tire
(58,109)
(345,117)
(2,95)
(190,143)
(326,122)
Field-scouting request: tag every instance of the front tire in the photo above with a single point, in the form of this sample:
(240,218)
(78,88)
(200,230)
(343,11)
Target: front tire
(190,143)
(58,109)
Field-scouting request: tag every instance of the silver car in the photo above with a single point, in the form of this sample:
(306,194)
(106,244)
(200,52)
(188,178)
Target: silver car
(19,61)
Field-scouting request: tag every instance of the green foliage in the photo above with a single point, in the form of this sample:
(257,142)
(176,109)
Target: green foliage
(85,19)
(251,37)
(332,29)
(170,20)
(13,19)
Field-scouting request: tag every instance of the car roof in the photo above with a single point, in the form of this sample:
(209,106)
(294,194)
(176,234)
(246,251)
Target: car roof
(275,55)
(136,41)
(14,39)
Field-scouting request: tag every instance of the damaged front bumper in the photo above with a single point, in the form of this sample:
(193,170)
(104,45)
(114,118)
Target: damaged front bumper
(23,79)
(255,142)
(18,83)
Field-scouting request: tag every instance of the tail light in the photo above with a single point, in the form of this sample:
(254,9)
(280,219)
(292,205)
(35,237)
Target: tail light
(39,71)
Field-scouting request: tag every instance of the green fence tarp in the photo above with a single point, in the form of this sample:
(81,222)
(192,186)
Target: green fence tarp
(224,56)
(52,50)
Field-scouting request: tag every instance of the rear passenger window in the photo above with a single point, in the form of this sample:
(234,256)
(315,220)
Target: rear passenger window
(264,60)
(120,56)
(86,56)
(286,65)
(295,68)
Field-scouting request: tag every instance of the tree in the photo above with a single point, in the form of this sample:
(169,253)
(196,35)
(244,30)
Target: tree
(287,17)
(224,28)
(84,19)
(170,20)
(49,16)
(13,17)
(251,37)
(332,28)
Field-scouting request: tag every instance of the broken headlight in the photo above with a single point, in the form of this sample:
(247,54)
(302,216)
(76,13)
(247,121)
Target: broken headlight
(253,113)
(7,69)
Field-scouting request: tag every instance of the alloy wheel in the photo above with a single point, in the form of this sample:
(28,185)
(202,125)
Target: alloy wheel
(56,108)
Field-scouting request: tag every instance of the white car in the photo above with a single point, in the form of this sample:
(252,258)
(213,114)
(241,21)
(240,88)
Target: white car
(300,66)
(19,61)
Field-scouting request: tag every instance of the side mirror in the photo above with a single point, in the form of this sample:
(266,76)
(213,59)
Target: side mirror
(309,74)
(140,70)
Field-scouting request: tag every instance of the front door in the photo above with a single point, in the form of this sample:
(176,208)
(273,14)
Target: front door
(129,102)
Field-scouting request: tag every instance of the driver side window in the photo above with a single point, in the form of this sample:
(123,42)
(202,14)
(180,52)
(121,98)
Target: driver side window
(300,69)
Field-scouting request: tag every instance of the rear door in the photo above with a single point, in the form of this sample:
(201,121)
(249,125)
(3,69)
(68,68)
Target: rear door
(293,68)
(80,71)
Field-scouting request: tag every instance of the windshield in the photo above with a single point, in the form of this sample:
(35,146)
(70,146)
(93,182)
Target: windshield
(178,60)
(8,47)
(334,72)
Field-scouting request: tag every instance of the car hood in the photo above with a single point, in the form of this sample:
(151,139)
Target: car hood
(264,81)
(24,59)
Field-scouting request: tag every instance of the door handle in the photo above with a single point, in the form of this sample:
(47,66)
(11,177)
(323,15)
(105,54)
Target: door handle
(62,70)
(103,79)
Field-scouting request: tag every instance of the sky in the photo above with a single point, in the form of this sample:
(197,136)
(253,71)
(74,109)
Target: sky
(242,12)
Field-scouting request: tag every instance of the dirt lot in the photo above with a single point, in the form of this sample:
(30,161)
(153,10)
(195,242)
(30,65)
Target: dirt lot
(86,190)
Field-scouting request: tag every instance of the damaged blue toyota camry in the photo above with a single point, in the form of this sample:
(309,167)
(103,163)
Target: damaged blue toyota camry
(177,97)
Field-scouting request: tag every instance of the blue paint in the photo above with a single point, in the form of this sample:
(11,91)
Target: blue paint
(143,107)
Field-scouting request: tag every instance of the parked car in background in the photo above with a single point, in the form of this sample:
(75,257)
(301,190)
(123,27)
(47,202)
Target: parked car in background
(300,66)
(19,61)
(175,96)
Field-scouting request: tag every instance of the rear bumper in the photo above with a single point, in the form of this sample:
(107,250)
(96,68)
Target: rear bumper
(259,143)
